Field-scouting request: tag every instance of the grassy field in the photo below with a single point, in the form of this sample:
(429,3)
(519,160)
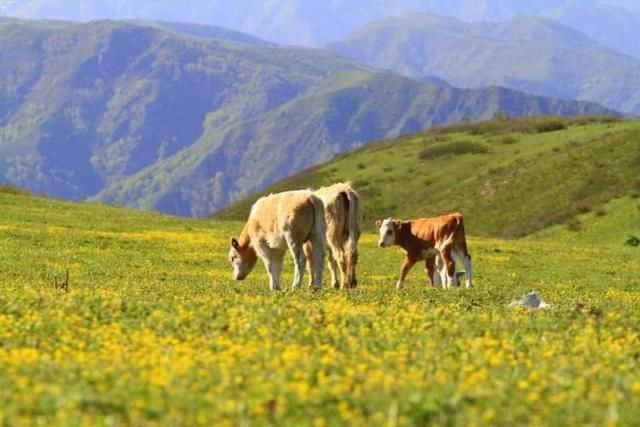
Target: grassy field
(152,331)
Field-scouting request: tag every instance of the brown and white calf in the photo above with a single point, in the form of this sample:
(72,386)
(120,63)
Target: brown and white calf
(427,239)
(277,223)
(343,216)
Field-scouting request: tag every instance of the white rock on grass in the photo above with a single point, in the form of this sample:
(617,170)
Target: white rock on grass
(531,300)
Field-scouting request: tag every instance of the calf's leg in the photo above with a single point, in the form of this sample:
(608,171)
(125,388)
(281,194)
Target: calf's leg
(432,268)
(406,266)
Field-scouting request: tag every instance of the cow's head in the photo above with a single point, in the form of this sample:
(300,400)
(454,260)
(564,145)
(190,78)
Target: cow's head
(388,230)
(243,258)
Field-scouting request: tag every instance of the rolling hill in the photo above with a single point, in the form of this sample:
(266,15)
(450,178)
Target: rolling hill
(284,21)
(509,178)
(185,118)
(526,53)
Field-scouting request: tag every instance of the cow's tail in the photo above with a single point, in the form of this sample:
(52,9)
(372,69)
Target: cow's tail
(319,223)
(316,244)
(353,218)
(351,233)
(463,240)
(456,227)
(441,246)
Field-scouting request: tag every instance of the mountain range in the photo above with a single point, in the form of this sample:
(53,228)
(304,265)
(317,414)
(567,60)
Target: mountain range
(526,53)
(608,25)
(316,22)
(186,118)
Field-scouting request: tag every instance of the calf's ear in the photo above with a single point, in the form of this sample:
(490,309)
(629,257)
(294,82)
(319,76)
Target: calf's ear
(234,243)
(378,223)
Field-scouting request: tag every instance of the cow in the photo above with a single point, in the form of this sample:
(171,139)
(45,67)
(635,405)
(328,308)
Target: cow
(440,240)
(277,223)
(343,216)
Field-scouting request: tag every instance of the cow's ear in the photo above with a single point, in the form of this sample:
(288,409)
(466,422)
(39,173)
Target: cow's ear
(396,224)
(378,224)
(234,243)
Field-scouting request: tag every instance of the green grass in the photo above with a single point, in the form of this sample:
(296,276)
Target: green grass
(509,178)
(153,330)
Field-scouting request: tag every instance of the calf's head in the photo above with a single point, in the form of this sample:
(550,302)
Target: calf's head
(243,258)
(388,230)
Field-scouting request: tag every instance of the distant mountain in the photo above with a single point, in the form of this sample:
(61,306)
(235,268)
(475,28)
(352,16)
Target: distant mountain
(526,53)
(610,26)
(307,22)
(166,120)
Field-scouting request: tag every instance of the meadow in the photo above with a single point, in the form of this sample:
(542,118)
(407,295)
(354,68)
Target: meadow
(153,331)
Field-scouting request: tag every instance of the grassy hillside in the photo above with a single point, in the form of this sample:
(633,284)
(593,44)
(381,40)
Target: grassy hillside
(184,118)
(151,330)
(526,53)
(508,177)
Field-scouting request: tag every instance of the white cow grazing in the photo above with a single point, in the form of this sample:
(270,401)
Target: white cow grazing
(276,223)
(343,215)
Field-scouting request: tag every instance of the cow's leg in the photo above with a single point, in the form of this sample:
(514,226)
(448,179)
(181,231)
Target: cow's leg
(439,271)
(334,268)
(433,270)
(466,261)
(344,268)
(351,256)
(299,262)
(429,267)
(308,251)
(450,268)
(457,260)
(273,263)
(318,245)
(408,263)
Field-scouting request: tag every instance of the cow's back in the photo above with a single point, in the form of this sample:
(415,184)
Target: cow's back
(437,228)
(342,211)
(287,212)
